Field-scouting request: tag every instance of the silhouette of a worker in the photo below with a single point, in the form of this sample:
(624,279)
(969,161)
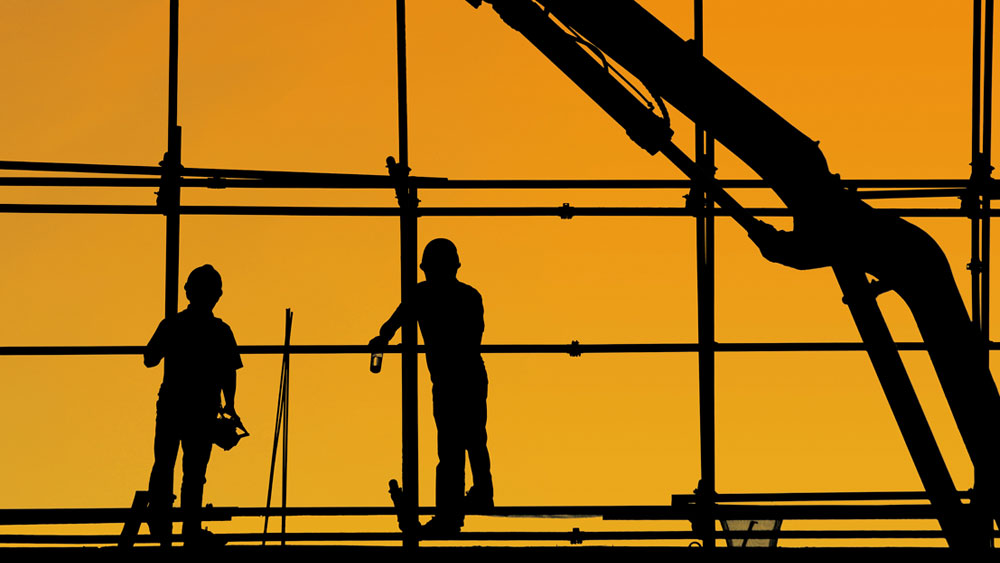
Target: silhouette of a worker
(201,361)
(450,315)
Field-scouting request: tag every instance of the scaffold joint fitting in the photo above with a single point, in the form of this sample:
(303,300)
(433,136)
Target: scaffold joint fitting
(399,172)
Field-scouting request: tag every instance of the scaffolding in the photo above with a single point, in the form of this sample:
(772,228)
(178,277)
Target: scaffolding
(703,508)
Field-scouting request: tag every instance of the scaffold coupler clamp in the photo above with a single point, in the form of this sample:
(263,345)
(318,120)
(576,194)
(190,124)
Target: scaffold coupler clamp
(980,184)
(704,502)
(168,197)
(566,211)
(574,349)
(694,200)
(400,173)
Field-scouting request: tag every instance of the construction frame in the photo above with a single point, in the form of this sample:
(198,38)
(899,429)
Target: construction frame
(702,508)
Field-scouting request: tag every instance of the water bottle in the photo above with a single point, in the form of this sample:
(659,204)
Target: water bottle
(376,364)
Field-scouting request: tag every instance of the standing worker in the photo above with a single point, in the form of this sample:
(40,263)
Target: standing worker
(450,314)
(201,361)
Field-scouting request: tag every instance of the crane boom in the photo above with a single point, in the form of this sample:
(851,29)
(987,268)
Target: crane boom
(832,226)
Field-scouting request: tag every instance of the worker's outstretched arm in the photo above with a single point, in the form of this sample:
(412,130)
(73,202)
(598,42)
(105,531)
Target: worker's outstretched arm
(155,349)
(388,329)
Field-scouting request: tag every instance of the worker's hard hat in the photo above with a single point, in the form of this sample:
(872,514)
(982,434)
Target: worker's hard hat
(227,431)
(204,280)
(440,253)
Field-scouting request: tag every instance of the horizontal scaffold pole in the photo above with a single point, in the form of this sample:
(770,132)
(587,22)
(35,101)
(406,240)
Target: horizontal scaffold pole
(563,212)
(571,349)
(218,178)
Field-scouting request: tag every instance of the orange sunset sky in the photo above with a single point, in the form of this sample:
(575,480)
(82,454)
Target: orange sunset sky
(311,85)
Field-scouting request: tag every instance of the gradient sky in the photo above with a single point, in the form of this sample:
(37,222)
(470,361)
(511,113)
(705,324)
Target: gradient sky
(311,85)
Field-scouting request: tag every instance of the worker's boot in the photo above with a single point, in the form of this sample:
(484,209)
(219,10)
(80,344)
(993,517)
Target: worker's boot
(479,500)
(158,519)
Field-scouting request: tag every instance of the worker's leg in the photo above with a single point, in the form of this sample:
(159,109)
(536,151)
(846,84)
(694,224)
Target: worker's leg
(161,479)
(481,494)
(450,479)
(197,449)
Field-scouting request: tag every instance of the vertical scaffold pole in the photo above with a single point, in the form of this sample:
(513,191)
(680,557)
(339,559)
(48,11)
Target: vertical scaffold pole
(980,187)
(407,198)
(705,242)
(168,198)
(988,162)
(973,205)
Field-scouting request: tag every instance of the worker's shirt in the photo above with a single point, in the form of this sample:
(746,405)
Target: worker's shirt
(450,315)
(200,352)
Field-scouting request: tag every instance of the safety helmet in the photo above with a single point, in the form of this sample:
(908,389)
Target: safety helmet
(440,254)
(204,281)
(227,431)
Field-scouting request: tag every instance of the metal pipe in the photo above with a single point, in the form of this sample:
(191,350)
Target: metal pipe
(407,196)
(988,82)
(210,177)
(571,349)
(321,211)
(572,537)
(169,195)
(705,520)
(977,45)
(682,511)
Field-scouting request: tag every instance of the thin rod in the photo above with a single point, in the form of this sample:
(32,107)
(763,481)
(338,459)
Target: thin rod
(704,240)
(274,446)
(988,82)
(407,196)
(679,509)
(263,184)
(975,263)
(170,190)
(287,364)
(987,156)
(172,68)
(984,318)
(321,211)
(278,417)
(575,536)
(977,46)
(571,349)
(361,181)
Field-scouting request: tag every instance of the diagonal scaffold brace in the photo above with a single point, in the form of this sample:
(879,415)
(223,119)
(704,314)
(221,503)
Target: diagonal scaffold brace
(281,433)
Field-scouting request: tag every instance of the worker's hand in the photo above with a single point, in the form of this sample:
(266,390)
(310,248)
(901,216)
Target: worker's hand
(378,343)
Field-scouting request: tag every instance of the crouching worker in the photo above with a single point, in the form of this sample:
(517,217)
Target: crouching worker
(450,315)
(200,362)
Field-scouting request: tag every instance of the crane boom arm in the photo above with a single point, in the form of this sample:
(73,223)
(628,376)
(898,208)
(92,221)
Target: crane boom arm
(832,226)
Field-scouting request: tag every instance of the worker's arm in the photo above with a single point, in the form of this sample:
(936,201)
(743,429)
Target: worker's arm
(155,349)
(388,329)
(229,392)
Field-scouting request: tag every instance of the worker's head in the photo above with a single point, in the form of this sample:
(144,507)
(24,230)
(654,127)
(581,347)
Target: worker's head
(204,286)
(440,261)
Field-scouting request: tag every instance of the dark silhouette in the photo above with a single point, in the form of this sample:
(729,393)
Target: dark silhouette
(201,361)
(450,315)
(833,227)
